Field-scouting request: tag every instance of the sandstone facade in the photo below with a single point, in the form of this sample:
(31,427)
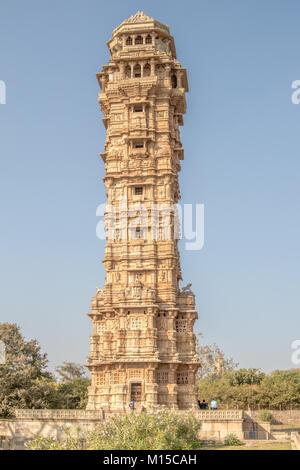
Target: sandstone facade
(143,346)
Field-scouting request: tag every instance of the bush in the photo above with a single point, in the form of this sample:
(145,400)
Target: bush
(153,430)
(265,416)
(232,440)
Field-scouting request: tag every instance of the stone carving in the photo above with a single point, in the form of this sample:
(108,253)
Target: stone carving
(139,17)
(187,289)
(162,323)
(138,292)
(163,46)
(115,152)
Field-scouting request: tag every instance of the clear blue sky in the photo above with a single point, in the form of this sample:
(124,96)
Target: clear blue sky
(241,139)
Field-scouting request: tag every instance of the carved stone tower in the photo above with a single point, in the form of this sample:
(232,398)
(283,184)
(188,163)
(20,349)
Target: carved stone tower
(143,346)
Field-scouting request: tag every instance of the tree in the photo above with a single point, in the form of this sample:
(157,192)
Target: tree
(69,371)
(24,380)
(281,389)
(227,391)
(73,394)
(213,361)
(253,388)
(246,377)
(73,386)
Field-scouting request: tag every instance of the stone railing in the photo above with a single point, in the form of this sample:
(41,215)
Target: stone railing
(114,85)
(220,415)
(60,414)
(186,300)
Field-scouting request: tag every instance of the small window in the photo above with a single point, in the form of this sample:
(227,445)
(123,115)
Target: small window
(135,373)
(162,377)
(101,327)
(128,72)
(129,41)
(137,323)
(181,326)
(138,190)
(182,378)
(138,232)
(147,70)
(138,145)
(148,39)
(138,109)
(137,71)
(138,40)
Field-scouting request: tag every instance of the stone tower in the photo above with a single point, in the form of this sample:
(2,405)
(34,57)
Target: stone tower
(143,346)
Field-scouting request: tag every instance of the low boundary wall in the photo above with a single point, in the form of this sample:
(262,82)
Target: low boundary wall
(28,424)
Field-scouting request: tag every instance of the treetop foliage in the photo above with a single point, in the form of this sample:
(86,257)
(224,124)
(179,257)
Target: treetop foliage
(25,381)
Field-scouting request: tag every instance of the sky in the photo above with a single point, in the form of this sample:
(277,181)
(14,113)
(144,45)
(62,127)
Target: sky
(241,141)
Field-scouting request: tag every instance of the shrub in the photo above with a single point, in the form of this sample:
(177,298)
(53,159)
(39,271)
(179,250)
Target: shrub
(265,416)
(232,440)
(153,430)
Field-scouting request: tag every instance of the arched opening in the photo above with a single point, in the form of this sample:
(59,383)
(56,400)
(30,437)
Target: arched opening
(137,71)
(148,39)
(147,70)
(127,71)
(116,75)
(174,81)
(129,41)
(159,69)
(160,72)
(138,40)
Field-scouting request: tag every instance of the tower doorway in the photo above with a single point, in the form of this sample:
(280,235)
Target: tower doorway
(136,392)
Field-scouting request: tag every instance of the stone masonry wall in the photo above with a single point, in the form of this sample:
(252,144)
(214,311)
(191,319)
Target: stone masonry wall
(284,417)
